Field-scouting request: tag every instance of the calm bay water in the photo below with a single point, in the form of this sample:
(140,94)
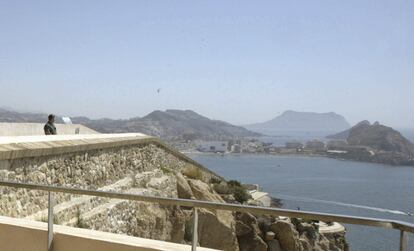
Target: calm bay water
(331,186)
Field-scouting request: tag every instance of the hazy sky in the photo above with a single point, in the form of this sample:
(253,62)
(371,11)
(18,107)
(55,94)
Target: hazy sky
(239,61)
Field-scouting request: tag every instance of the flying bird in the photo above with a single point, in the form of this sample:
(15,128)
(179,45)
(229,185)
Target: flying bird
(158,90)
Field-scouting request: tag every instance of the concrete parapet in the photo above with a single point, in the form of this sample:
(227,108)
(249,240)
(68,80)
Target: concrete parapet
(26,235)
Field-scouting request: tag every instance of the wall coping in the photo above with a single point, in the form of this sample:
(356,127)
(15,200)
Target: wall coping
(16,147)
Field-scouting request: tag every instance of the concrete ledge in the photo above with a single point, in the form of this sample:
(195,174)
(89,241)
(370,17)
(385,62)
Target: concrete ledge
(34,146)
(26,235)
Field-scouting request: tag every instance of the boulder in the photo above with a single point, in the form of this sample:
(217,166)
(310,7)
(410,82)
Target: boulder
(264,223)
(202,191)
(242,229)
(287,235)
(216,229)
(249,235)
(273,245)
(252,243)
(183,188)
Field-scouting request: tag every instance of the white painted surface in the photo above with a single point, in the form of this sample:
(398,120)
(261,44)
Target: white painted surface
(27,129)
(330,229)
(263,197)
(23,234)
(48,138)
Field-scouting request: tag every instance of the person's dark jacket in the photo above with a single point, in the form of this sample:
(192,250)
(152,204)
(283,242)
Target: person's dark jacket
(50,129)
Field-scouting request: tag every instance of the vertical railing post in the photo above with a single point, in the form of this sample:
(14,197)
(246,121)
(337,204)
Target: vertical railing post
(403,241)
(50,221)
(195,230)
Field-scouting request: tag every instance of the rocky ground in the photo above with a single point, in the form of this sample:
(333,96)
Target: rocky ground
(150,170)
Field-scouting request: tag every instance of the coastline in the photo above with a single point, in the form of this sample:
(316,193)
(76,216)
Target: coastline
(298,154)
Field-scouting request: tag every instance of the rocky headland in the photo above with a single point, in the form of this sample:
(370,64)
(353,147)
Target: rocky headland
(373,143)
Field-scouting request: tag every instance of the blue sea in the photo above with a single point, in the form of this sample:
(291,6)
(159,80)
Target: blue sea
(330,186)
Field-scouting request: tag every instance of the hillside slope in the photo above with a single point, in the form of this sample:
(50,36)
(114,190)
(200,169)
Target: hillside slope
(178,123)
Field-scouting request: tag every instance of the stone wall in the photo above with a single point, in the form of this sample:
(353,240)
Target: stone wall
(89,170)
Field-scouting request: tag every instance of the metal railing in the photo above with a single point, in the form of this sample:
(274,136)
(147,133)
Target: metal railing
(403,227)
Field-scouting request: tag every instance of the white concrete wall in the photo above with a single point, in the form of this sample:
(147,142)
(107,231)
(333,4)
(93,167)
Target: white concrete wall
(28,129)
(26,235)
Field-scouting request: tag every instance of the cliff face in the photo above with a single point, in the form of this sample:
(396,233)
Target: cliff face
(146,170)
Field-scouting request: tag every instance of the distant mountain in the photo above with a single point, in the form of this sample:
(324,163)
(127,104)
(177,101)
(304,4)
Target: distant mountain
(7,115)
(302,123)
(169,124)
(186,124)
(384,144)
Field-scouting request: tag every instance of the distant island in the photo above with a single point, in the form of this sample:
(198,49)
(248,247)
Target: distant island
(299,124)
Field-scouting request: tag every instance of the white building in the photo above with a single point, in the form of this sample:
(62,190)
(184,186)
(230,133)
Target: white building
(213,146)
(236,148)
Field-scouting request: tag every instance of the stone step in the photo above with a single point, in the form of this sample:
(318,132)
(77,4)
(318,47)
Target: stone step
(66,213)
(104,209)
(67,210)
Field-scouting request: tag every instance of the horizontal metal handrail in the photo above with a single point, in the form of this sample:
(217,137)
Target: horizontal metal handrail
(374,222)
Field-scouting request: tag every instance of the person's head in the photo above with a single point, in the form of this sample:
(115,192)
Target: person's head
(51,118)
